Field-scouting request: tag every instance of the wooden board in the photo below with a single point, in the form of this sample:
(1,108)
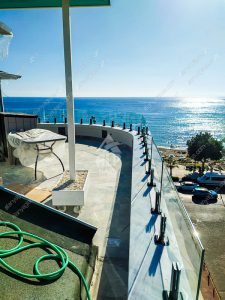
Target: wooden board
(38,195)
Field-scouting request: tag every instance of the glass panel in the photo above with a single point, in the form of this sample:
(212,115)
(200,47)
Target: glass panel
(185,246)
(49,109)
(156,164)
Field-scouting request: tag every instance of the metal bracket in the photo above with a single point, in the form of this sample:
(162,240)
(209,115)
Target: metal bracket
(148,172)
(161,238)
(151,183)
(174,293)
(142,132)
(157,209)
(146,147)
(144,139)
(147,154)
(139,131)
(146,130)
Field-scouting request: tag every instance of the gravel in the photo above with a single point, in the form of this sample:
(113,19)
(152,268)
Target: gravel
(66,184)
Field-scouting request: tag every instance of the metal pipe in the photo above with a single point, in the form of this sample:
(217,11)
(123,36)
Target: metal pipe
(161,181)
(151,147)
(69,86)
(200,274)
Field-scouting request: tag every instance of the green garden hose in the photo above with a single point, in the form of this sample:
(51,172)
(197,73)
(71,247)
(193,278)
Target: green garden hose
(58,254)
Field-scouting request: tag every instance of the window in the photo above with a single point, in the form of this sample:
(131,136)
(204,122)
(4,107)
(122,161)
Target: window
(218,178)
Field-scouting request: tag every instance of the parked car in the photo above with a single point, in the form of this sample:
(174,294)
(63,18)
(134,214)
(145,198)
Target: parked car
(187,186)
(204,194)
(191,177)
(212,179)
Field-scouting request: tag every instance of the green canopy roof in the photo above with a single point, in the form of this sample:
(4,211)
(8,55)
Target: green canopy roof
(10,4)
(5,30)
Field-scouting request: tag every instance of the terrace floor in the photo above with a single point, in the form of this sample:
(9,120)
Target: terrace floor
(107,206)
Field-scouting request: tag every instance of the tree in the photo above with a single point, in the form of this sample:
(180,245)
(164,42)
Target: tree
(171,163)
(204,146)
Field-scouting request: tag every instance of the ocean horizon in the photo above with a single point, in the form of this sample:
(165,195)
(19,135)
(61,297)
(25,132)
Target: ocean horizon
(171,120)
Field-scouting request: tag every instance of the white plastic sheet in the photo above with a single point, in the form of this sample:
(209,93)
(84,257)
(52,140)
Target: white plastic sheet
(26,143)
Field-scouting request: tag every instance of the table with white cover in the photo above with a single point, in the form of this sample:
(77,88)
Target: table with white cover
(40,141)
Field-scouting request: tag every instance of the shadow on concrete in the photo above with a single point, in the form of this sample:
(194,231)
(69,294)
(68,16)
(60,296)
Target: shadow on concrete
(143,163)
(151,223)
(145,178)
(147,191)
(114,277)
(155,260)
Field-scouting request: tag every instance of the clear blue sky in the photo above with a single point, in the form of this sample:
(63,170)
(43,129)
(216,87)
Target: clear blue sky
(133,48)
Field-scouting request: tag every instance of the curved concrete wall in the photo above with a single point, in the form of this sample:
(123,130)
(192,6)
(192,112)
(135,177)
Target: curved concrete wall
(149,263)
(95,131)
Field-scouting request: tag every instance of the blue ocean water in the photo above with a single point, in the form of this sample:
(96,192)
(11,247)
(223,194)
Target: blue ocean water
(171,120)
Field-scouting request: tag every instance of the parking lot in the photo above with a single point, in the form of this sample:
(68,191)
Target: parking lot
(209,221)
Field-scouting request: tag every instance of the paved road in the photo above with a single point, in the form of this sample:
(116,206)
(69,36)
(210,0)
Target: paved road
(209,221)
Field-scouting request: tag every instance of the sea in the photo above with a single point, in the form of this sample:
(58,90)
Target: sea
(172,121)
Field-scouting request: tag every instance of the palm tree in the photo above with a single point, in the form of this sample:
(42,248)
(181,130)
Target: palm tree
(171,163)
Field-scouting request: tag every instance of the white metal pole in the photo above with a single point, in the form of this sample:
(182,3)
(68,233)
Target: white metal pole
(69,86)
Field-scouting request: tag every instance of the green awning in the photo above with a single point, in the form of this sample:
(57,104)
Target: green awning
(4,29)
(11,4)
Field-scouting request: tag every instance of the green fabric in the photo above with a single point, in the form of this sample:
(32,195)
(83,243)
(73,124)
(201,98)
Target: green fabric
(10,4)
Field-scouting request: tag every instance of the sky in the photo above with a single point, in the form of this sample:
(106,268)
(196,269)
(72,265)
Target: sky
(145,48)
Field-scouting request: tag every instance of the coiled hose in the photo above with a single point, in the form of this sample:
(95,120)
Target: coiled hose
(59,255)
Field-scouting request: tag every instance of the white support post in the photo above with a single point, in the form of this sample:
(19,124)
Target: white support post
(69,86)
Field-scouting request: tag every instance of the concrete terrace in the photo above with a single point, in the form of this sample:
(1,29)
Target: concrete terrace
(107,206)
(130,264)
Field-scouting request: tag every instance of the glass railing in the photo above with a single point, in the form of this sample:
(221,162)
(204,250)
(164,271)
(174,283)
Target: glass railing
(184,244)
(59,115)
(156,163)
